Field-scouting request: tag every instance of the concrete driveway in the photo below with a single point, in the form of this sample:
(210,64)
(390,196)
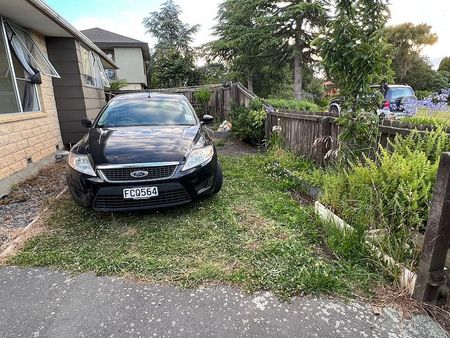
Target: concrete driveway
(44,303)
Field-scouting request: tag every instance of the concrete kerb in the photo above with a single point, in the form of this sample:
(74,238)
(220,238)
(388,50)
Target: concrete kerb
(407,277)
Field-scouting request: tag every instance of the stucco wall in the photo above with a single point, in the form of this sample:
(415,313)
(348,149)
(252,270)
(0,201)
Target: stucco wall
(32,135)
(131,65)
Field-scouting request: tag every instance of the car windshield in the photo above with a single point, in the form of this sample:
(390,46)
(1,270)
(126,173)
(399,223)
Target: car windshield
(396,93)
(146,112)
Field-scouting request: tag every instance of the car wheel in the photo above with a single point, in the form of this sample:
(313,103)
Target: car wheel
(334,111)
(81,200)
(219,179)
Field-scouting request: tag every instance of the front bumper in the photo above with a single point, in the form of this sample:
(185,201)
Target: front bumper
(181,188)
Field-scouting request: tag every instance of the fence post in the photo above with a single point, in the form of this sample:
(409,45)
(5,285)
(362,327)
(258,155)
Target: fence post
(431,275)
(268,126)
(325,146)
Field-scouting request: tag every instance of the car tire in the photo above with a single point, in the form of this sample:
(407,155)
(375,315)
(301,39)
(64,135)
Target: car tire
(218,180)
(334,111)
(81,200)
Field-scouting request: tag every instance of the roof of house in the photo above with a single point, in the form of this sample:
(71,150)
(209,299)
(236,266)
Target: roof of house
(105,39)
(37,15)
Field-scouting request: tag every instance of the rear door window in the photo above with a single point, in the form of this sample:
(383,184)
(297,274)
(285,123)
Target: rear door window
(397,93)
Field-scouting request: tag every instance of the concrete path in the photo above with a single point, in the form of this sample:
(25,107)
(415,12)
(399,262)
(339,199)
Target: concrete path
(44,303)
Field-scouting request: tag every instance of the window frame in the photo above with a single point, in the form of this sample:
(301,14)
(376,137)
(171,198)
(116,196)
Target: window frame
(96,67)
(14,28)
(13,71)
(9,57)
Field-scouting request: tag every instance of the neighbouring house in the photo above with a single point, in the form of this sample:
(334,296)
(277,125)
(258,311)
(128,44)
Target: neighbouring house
(132,56)
(51,76)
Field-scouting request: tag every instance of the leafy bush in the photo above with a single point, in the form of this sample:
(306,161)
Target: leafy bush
(249,124)
(391,194)
(118,84)
(298,105)
(202,96)
(360,130)
(422,94)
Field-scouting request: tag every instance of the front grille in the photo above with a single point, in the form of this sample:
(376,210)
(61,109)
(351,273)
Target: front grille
(124,174)
(165,198)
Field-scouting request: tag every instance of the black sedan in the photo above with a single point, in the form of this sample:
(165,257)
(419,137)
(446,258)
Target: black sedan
(144,151)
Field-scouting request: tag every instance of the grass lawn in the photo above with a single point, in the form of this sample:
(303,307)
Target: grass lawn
(252,235)
(443,115)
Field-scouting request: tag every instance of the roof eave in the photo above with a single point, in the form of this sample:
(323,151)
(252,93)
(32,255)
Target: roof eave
(51,14)
(111,45)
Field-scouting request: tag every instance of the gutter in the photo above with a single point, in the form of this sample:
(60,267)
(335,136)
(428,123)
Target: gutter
(59,20)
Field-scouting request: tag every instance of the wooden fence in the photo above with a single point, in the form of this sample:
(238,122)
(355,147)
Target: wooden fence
(432,278)
(223,97)
(301,132)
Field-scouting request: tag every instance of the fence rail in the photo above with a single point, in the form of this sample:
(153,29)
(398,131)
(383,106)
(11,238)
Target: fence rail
(302,130)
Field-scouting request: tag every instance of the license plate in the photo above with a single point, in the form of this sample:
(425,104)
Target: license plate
(140,193)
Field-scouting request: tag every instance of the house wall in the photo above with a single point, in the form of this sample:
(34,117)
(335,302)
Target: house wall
(131,65)
(75,100)
(132,86)
(32,135)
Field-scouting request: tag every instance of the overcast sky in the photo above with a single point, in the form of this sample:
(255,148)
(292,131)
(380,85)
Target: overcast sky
(125,17)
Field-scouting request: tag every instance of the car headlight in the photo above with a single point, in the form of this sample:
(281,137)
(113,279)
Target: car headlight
(81,163)
(199,156)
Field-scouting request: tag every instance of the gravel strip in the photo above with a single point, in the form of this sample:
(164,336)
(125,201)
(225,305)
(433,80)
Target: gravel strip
(23,204)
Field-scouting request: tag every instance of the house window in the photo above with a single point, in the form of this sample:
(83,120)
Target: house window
(21,65)
(93,71)
(111,74)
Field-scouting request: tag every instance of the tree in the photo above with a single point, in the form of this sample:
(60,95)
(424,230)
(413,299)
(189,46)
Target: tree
(239,37)
(173,62)
(168,29)
(262,36)
(295,25)
(408,41)
(445,64)
(214,73)
(353,50)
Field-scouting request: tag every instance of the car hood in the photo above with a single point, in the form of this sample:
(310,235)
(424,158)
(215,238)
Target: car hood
(127,145)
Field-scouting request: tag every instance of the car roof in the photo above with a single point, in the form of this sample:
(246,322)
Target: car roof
(399,86)
(153,95)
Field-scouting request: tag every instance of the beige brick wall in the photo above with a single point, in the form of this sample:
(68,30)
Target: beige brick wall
(32,135)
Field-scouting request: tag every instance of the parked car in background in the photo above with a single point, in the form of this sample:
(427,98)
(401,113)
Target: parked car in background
(399,101)
(144,151)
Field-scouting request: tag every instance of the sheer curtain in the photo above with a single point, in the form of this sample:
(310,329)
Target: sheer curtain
(30,100)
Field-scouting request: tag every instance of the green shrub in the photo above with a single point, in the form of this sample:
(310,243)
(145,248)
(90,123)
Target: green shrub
(249,124)
(422,94)
(118,84)
(391,193)
(202,97)
(298,105)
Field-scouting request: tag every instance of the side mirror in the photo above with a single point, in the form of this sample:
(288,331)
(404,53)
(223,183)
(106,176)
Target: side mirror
(207,119)
(86,123)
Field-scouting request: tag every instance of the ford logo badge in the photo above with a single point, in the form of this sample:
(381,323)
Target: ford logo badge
(139,174)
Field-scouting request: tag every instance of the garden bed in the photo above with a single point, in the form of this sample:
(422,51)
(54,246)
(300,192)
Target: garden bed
(27,199)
